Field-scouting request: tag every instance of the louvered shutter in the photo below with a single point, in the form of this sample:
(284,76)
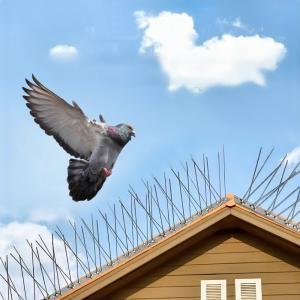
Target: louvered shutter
(248,289)
(213,289)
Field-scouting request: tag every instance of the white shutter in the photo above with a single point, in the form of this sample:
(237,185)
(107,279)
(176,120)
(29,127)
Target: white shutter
(248,289)
(213,289)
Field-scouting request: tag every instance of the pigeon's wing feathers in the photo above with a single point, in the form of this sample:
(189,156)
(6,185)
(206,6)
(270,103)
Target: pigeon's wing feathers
(66,123)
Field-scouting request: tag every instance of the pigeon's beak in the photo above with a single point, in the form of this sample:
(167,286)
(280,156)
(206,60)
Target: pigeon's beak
(133,133)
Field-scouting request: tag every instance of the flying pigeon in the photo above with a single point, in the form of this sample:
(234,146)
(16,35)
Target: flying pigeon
(95,145)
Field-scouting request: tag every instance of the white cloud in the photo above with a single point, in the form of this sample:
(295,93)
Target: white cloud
(220,61)
(15,234)
(43,216)
(293,157)
(63,52)
(47,216)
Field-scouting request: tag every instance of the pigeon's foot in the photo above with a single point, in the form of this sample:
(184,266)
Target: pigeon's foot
(106,172)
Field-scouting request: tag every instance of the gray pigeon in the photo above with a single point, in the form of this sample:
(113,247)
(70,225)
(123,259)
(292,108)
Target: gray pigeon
(96,144)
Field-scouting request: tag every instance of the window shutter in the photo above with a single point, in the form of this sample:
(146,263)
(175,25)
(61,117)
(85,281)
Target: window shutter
(248,289)
(213,289)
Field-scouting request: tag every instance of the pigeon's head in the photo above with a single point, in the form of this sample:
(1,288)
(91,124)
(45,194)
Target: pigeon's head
(126,132)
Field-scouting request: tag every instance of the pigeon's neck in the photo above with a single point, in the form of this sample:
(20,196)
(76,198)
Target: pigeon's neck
(116,135)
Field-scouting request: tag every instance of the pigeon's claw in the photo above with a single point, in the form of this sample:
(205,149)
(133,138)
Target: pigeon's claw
(106,172)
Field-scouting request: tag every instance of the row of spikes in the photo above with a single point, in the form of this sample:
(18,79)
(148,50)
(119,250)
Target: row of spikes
(90,247)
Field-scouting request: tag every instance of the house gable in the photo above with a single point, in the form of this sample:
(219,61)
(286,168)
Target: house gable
(228,216)
(226,255)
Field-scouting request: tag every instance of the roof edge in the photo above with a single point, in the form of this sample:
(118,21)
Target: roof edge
(231,207)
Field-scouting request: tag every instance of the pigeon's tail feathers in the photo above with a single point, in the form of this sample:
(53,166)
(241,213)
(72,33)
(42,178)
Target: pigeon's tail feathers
(82,184)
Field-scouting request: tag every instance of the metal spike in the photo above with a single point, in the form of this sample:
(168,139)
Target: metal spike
(134,224)
(198,188)
(56,267)
(186,190)
(27,270)
(167,202)
(257,173)
(118,241)
(267,179)
(181,198)
(176,209)
(94,244)
(224,171)
(219,176)
(23,281)
(86,251)
(99,248)
(10,285)
(172,203)
(205,178)
(42,268)
(107,258)
(79,261)
(154,222)
(156,201)
(123,228)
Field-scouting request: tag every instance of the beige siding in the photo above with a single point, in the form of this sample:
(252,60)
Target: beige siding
(223,256)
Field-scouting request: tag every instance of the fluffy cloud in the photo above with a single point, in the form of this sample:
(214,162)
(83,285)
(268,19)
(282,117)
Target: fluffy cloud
(63,52)
(220,61)
(293,157)
(14,234)
(48,216)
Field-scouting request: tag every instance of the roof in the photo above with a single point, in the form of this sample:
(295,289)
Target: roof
(232,208)
(94,253)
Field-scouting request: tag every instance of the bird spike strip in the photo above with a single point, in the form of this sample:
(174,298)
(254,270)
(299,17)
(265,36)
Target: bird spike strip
(51,265)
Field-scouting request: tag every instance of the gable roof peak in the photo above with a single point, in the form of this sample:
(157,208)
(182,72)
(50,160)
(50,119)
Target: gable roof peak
(231,200)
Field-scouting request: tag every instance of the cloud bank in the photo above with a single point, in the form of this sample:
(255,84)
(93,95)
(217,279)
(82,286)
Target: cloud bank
(14,234)
(63,52)
(220,61)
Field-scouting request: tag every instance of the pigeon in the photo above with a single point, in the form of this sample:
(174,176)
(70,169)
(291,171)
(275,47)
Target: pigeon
(95,145)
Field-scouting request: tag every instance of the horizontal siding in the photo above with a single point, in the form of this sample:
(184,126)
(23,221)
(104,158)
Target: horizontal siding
(233,268)
(229,257)
(279,297)
(289,297)
(273,297)
(194,280)
(192,291)
(233,248)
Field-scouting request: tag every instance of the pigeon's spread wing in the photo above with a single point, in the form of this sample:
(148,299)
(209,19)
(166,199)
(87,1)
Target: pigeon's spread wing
(66,123)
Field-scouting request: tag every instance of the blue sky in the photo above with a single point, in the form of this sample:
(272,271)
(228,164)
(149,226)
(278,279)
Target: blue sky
(110,75)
